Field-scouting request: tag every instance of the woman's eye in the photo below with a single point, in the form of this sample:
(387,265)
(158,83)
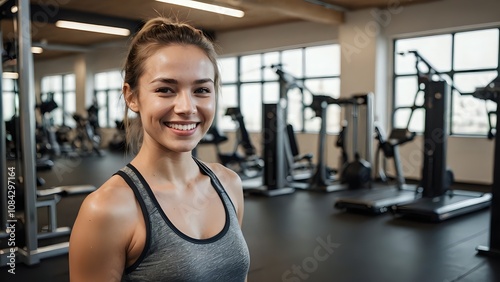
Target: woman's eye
(202,90)
(164,90)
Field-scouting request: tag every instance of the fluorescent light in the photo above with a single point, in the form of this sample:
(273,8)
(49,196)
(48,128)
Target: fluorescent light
(206,7)
(36,50)
(10,75)
(14,9)
(93,28)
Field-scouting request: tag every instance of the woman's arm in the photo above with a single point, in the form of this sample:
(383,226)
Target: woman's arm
(100,237)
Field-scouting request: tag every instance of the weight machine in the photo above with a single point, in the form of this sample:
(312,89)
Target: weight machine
(321,178)
(16,191)
(438,202)
(354,174)
(274,179)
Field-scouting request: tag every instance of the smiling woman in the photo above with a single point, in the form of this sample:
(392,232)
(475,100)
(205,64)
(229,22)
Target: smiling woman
(166,216)
(177,94)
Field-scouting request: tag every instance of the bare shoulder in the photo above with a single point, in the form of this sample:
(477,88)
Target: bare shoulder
(103,232)
(112,209)
(112,200)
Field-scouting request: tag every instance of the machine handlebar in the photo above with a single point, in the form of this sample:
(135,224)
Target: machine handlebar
(490,92)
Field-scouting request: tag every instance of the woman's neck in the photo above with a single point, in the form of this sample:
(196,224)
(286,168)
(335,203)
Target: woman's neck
(160,165)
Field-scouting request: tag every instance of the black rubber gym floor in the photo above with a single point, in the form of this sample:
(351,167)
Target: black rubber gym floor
(301,237)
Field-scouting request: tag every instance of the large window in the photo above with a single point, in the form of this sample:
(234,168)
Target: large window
(107,92)
(466,59)
(62,89)
(250,81)
(10,98)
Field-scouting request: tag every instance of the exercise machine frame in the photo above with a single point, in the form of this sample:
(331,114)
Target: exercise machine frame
(274,179)
(320,181)
(30,253)
(492,92)
(437,202)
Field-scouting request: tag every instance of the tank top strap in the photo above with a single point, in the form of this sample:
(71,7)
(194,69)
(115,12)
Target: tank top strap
(138,184)
(214,179)
(135,181)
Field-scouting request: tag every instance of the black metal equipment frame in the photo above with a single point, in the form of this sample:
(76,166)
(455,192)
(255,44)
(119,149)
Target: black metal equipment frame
(247,164)
(27,249)
(438,202)
(31,253)
(273,142)
(492,92)
(320,181)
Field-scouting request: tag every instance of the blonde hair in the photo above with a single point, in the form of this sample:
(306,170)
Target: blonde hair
(155,34)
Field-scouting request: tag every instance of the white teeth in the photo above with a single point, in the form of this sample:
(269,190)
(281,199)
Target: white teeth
(182,126)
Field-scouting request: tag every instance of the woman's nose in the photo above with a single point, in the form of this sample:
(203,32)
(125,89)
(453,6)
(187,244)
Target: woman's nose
(184,103)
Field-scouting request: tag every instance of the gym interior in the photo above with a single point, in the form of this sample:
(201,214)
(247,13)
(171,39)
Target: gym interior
(364,132)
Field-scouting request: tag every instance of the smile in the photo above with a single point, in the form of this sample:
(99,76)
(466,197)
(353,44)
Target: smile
(184,127)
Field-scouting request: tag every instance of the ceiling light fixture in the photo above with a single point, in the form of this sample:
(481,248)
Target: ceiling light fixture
(36,50)
(93,28)
(10,75)
(206,7)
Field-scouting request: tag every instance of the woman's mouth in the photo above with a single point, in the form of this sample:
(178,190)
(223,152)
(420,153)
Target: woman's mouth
(182,127)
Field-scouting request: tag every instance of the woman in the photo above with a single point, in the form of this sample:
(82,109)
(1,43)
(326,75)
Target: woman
(166,216)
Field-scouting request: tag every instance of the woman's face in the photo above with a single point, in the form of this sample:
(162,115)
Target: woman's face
(176,98)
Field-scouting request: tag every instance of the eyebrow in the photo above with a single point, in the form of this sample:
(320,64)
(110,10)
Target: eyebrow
(174,81)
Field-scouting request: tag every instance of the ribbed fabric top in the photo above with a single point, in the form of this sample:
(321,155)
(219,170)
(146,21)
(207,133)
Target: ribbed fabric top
(170,255)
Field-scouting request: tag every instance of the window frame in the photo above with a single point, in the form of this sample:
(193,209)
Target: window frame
(450,73)
(14,92)
(262,80)
(107,123)
(65,90)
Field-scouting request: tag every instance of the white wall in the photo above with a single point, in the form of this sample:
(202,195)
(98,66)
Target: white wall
(368,69)
(275,37)
(442,16)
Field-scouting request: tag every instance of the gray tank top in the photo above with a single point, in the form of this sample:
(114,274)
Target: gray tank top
(170,255)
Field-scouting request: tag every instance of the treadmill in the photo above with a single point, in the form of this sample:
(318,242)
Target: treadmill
(379,199)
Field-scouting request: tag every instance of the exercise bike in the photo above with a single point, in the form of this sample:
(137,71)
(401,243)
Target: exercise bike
(85,138)
(45,133)
(247,164)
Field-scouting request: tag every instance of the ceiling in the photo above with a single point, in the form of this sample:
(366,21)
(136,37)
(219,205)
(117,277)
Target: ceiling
(59,42)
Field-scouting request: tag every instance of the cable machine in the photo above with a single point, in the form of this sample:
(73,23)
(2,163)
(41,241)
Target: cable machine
(354,174)
(30,254)
(20,199)
(438,202)
(274,182)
